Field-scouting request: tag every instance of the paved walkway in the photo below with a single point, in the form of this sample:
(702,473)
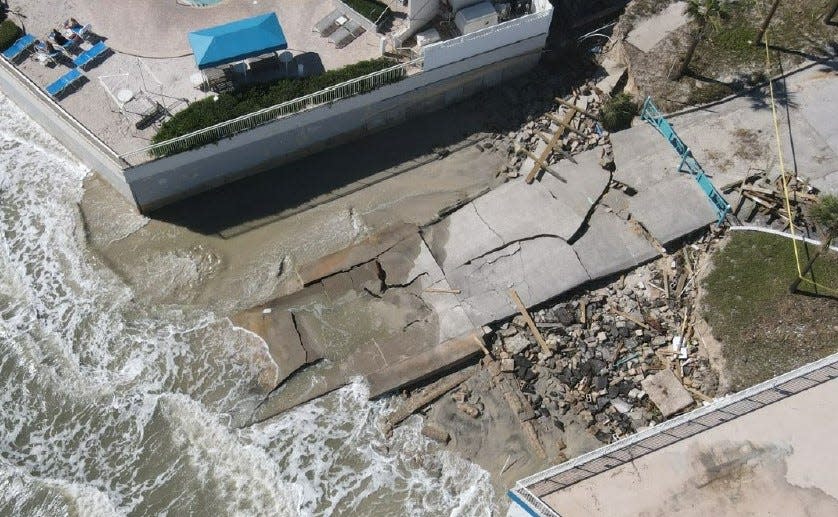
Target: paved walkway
(777,460)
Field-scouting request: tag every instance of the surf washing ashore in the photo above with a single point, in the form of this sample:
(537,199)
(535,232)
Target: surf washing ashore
(114,407)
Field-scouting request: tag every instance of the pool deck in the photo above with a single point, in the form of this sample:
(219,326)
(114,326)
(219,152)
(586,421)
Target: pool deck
(152,57)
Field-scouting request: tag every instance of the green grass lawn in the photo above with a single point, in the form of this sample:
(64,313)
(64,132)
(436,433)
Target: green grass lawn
(766,331)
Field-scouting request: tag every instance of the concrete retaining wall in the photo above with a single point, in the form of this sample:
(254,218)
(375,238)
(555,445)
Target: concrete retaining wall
(61,125)
(163,181)
(484,40)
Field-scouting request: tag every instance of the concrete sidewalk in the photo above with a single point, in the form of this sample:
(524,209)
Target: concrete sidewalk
(774,461)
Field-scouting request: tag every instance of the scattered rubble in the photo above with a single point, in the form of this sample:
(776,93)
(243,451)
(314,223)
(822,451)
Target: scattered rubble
(568,128)
(615,359)
(760,200)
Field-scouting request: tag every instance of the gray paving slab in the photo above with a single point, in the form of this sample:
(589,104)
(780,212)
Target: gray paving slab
(642,156)
(609,246)
(652,30)
(667,392)
(537,269)
(583,182)
(672,208)
(460,237)
(828,183)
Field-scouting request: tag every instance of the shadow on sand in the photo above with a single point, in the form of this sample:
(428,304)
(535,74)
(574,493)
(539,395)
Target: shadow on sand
(332,173)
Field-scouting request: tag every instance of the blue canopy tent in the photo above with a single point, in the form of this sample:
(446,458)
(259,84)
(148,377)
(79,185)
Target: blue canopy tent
(236,41)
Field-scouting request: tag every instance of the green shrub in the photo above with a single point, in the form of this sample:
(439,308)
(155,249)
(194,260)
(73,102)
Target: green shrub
(618,112)
(372,9)
(9,33)
(210,111)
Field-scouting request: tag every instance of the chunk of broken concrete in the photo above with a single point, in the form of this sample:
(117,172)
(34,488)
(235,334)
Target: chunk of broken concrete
(667,392)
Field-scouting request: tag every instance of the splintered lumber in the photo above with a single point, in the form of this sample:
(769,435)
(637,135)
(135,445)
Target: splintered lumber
(541,160)
(566,125)
(482,345)
(420,400)
(441,290)
(530,323)
(577,109)
(629,317)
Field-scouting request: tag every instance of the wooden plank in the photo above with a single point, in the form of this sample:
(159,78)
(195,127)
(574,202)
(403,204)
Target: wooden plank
(577,109)
(530,323)
(420,400)
(440,290)
(539,163)
(565,123)
(629,317)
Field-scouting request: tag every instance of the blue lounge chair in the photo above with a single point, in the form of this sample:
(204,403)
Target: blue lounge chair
(64,82)
(90,55)
(19,47)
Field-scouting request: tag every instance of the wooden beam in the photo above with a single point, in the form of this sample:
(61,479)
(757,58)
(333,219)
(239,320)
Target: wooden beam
(530,323)
(566,123)
(577,109)
(539,163)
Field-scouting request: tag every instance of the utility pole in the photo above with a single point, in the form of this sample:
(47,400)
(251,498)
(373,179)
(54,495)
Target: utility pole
(767,21)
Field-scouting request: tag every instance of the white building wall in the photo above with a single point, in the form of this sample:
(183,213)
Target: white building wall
(485,40)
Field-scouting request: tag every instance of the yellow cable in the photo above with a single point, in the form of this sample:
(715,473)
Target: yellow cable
(783,174)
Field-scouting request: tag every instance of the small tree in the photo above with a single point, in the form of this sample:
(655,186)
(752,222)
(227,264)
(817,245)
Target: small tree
(831,12)
(767,21)
(706,14)
(825,213)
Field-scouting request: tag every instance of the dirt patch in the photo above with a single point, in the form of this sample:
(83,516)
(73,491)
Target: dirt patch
(727,60)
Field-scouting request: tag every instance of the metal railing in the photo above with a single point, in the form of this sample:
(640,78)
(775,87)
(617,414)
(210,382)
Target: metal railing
(63,113)
(357,86)
(531,490)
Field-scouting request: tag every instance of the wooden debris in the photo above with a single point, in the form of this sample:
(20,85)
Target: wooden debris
(530,323)
(577,109)
(441,290)
(422,399)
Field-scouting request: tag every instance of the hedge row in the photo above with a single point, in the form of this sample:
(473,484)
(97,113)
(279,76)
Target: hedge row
(9,33)
(372,9)
(208,112)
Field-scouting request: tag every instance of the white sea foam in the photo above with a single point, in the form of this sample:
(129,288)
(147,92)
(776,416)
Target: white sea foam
(110,407)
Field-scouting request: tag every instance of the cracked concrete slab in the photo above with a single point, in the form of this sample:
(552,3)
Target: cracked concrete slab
(610,246)
(672,208)
(517,211)
(537,269)
(583,182)
(396,306)
(279,332)
(435,360)
(358,253)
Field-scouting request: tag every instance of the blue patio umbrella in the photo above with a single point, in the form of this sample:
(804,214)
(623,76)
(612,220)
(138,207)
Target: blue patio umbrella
(237,40)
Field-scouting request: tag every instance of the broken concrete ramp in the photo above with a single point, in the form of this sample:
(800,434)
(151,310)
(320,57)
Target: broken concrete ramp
(672,208)
(412,370)
(280,334)
(537,269)
(609,245)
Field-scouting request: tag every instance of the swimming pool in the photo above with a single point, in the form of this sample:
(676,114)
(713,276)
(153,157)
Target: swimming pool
(200,3)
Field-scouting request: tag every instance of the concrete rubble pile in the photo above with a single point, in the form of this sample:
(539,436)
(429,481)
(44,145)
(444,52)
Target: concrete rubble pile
(584,133)
(605,344)
(619,358)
